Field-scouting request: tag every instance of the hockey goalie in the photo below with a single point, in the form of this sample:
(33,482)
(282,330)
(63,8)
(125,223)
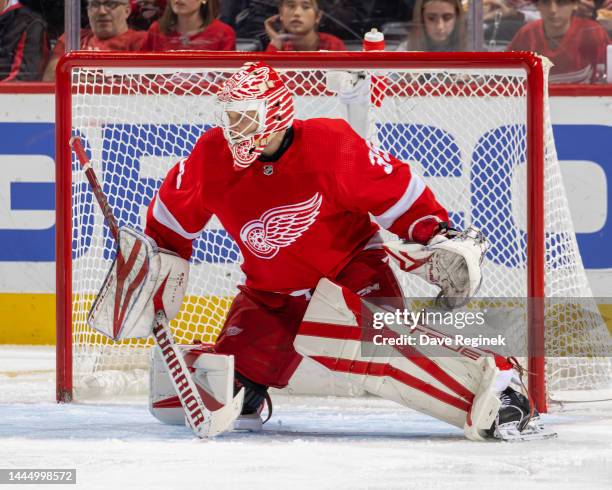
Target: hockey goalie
(305,200)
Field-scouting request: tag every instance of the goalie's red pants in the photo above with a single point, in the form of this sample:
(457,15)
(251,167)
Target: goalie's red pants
(261,326)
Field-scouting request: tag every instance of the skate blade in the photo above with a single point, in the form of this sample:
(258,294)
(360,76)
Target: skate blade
(533,432)
(250,423)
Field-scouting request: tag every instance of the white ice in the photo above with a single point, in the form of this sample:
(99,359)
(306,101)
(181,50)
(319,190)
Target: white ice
(309,443)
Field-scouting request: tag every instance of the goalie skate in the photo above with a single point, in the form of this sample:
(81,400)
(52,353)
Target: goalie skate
(256,399)
(534,430)
(514,422)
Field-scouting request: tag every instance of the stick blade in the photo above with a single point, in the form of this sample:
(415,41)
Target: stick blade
(222,420)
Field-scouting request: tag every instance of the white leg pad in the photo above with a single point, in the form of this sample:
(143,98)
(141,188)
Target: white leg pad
(458,389)
(213,374)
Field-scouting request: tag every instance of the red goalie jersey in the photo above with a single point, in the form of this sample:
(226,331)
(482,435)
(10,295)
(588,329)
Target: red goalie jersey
(302,217)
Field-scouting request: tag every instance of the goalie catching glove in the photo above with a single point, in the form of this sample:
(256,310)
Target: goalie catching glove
(124,307)
(451,260)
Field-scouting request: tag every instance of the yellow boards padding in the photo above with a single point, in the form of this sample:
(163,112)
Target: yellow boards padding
(27,318)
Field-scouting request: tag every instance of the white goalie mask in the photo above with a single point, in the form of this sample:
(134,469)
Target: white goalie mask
(253,105)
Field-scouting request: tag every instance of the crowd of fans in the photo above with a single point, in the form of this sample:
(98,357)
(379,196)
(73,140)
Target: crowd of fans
(573,34)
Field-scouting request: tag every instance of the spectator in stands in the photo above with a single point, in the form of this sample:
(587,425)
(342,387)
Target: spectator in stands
(108,31)
(190,24)
(294,28)
(23,43)
(144,13)
(347,19)
(439,25)
(575,45)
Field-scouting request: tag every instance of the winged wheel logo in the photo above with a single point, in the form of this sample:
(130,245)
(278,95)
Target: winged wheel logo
(279,227)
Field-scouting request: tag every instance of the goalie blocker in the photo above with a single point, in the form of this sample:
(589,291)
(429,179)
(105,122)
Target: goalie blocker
(124,306)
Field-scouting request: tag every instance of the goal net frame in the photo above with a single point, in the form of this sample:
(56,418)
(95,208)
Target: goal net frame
(535,152)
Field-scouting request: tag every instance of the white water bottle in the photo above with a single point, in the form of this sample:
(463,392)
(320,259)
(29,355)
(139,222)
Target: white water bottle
(374,41)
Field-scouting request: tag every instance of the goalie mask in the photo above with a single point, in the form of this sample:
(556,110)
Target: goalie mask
(253,105)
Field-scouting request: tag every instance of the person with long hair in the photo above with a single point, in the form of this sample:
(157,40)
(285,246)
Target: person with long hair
(439,25)
(190,24)
(295,28)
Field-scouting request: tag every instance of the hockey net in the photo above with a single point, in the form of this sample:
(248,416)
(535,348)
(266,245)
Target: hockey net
(463,126)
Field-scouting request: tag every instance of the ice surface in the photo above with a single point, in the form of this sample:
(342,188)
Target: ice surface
(309,443)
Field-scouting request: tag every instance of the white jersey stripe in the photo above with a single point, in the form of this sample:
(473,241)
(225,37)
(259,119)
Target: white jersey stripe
(163,215)
(414,190)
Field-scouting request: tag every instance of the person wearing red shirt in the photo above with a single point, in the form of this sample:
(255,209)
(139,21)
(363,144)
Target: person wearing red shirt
(576,46)
(108,31)
(298,28)
(190,24)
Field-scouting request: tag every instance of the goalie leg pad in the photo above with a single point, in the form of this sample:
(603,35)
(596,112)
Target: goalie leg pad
(124,306)
(212,373)
(459,390)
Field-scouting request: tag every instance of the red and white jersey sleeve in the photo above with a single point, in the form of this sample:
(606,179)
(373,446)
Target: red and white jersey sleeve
(374,181)
(177,215)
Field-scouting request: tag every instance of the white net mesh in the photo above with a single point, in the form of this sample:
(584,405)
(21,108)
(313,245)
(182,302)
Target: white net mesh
(463,131)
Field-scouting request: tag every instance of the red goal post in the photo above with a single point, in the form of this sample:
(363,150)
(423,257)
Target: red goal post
(77,79)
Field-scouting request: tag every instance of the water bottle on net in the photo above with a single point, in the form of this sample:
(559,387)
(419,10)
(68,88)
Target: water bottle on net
(374,40)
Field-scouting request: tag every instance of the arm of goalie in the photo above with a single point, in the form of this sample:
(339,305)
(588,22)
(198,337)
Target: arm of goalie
(453,264)
(124,306)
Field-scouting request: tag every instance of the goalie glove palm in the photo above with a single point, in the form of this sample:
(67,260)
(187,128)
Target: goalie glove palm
(452,264)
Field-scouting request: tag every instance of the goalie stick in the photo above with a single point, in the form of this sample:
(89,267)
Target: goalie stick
(203,421)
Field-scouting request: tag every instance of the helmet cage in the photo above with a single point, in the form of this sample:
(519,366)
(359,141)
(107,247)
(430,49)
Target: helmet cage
(252,120)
